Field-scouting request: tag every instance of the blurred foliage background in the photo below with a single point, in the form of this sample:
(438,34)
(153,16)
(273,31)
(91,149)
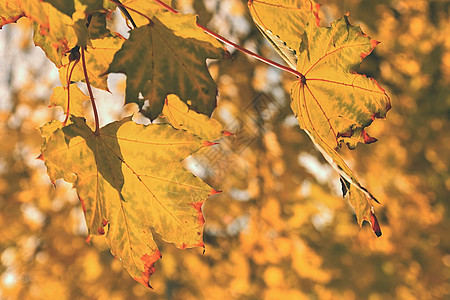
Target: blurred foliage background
(280,229)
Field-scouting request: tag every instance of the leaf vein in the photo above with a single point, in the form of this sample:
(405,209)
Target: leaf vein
(330,53)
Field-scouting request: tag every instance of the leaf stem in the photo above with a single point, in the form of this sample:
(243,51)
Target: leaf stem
(236,46)
(68,79)
(91,94)
(250,53)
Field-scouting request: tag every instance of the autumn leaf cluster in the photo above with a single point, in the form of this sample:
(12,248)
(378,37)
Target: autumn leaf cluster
(129,179)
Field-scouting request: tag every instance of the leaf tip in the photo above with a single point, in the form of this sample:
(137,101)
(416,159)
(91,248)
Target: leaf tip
(388,105)
(374,222)
(374,43)
(227,133)
(214,192)
(149,267)
(367,138)
(208,144)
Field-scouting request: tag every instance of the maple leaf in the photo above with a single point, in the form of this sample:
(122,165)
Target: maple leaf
(282,22)
(332,103)
(59,97)
(130,180)
(168,56)
(181,117)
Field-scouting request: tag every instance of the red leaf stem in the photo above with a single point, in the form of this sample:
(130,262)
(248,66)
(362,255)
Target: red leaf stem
(91,94)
